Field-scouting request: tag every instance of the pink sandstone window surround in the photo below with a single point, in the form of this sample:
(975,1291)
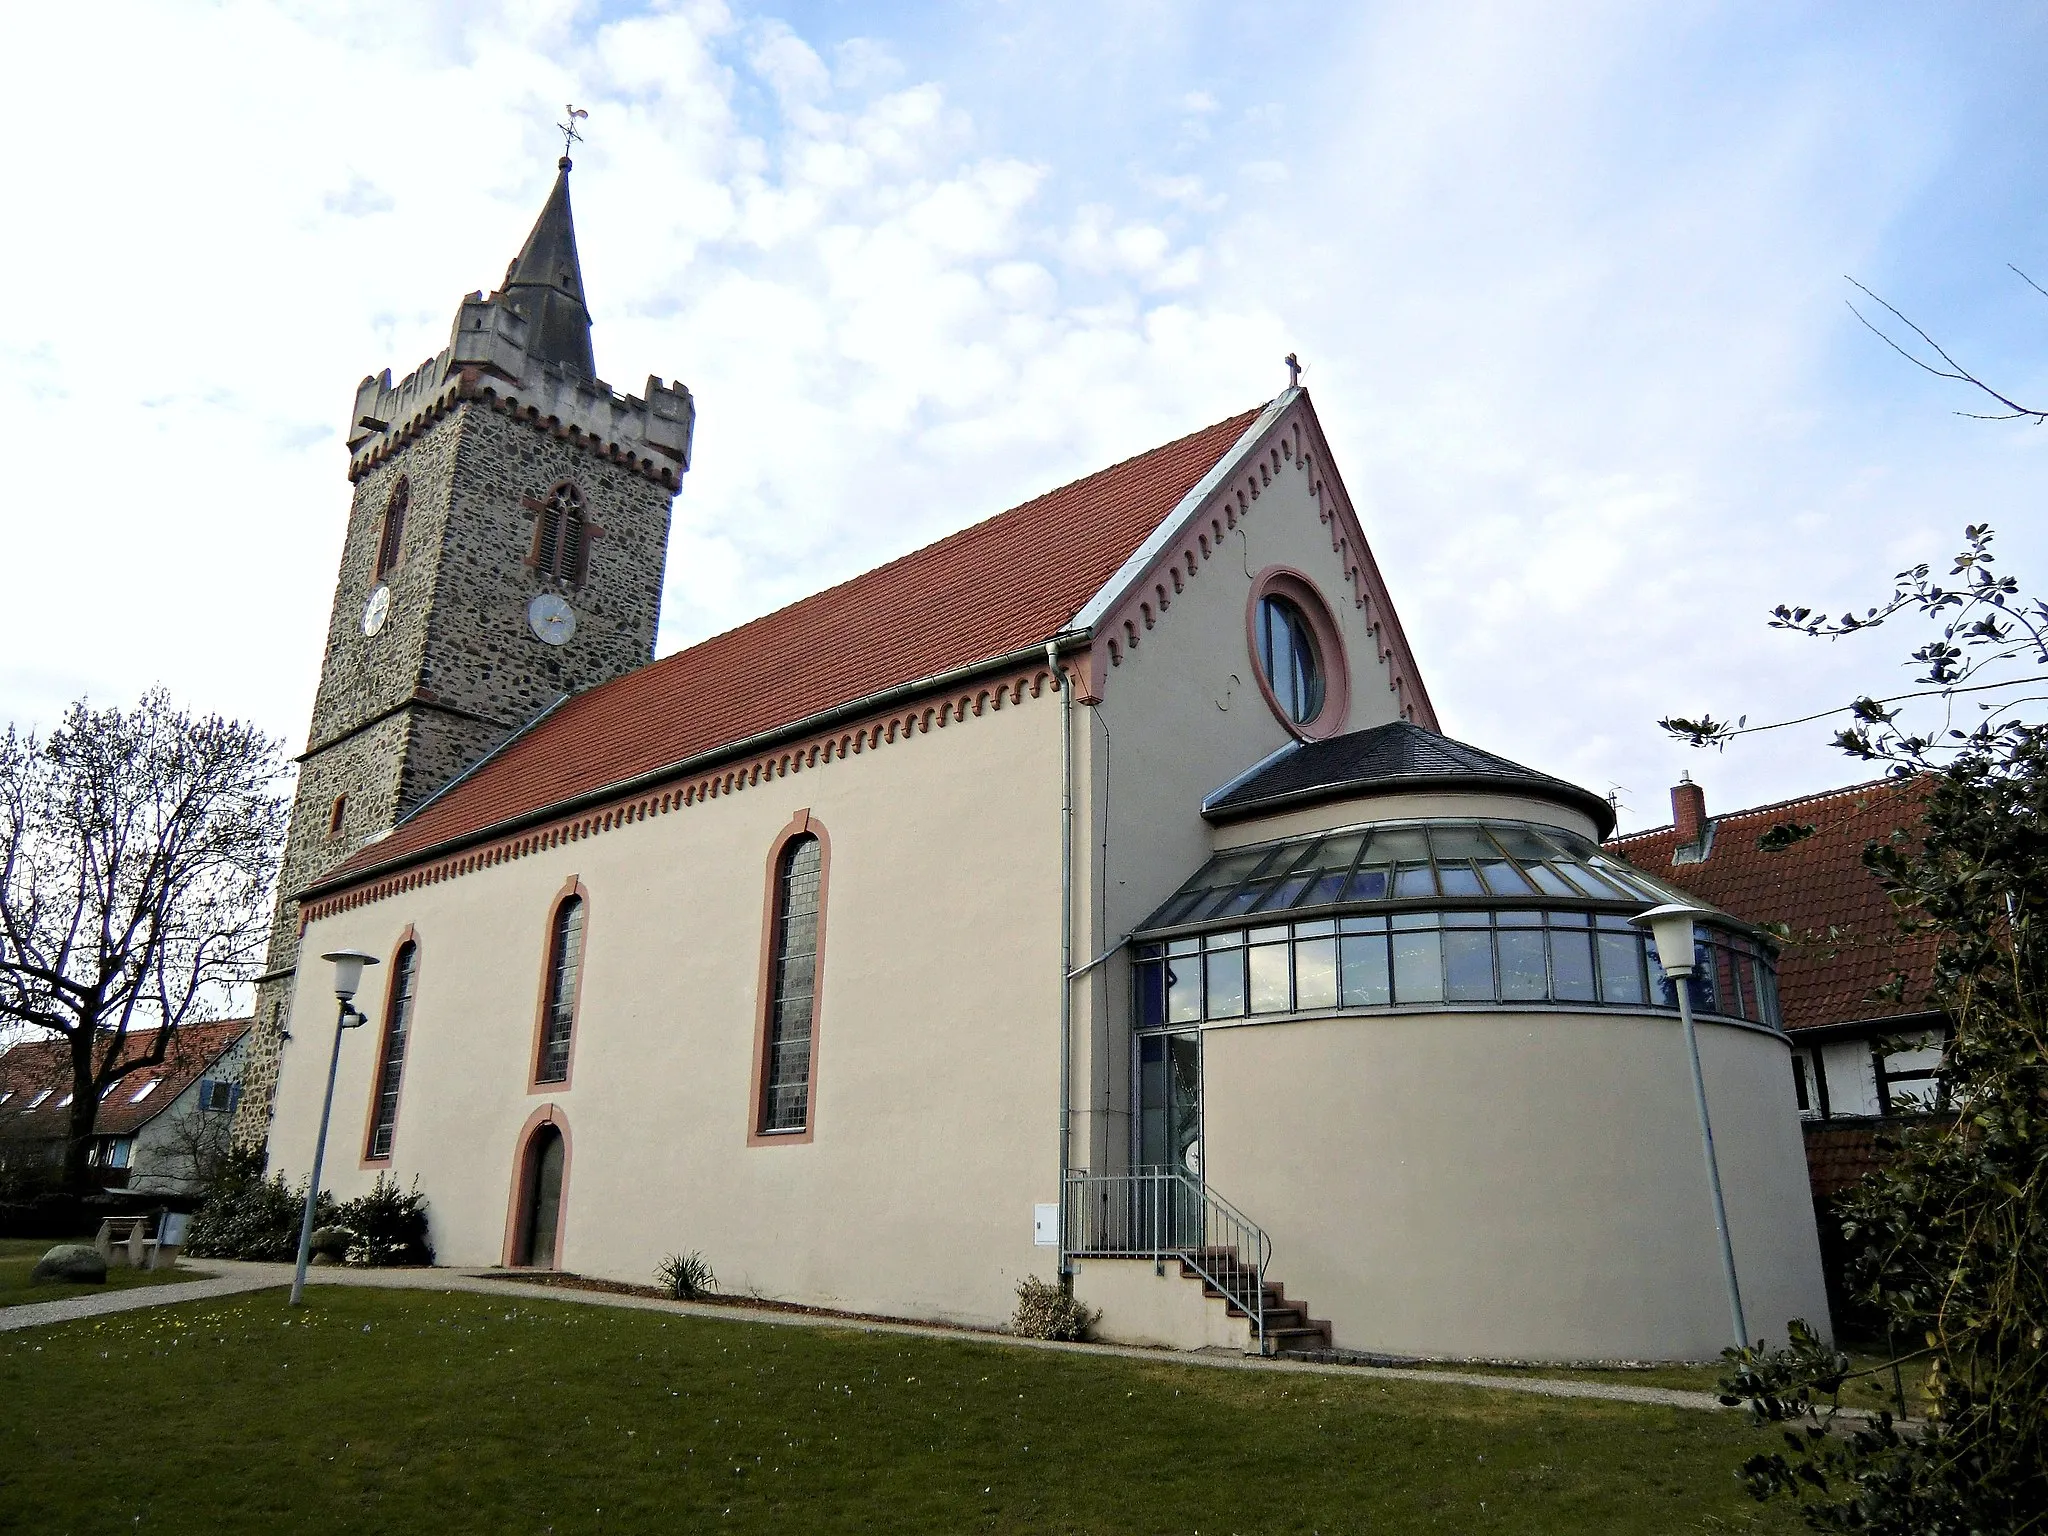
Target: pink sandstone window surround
(561,989)
(792,969)
(397,1032)
(1297,654)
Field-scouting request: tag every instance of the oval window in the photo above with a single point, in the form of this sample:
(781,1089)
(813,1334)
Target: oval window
(1288,656)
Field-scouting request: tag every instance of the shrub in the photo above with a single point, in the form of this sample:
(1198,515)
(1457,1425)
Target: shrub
(389,1226)
(1047,1311)
(253,1218)
(686,1276)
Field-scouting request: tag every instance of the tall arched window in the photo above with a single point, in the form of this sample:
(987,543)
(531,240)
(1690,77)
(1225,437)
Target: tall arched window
(558,1003)
(391,538)
(391,1058)
(793,973)
(561,537)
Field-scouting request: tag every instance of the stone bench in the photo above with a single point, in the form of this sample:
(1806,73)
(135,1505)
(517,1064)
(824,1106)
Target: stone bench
(126,1240)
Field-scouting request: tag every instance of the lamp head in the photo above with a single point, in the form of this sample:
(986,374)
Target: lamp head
(348,970)
(1671,925)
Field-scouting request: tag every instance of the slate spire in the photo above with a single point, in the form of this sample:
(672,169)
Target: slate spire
(544,285)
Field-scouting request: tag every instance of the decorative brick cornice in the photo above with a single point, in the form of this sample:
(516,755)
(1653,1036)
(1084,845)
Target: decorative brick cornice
(1294,442)
(934,712)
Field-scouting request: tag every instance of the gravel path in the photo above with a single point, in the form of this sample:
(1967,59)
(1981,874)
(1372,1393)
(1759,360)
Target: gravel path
(235,1278)
(36,1313)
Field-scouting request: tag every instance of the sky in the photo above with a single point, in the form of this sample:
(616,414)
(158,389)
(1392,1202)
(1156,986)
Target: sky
(1570,282)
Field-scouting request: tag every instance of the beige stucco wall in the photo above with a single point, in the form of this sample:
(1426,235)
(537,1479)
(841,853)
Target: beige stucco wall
(1179,718)
(1163,1308)
(1363,809)
(1514,1185)
(935,1063)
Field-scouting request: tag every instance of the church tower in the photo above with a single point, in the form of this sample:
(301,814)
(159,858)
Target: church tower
(506,544)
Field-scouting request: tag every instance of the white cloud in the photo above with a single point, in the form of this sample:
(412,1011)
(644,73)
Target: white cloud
(1567,283)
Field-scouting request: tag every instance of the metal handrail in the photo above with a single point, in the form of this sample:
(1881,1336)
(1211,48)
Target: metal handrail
(1164,1213)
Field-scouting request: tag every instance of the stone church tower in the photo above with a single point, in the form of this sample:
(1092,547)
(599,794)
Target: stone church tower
(505,548)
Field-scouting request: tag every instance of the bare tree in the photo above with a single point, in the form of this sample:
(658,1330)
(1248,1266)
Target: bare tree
(137,852)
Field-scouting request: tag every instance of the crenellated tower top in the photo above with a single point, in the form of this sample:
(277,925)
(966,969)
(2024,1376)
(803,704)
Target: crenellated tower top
(525,350)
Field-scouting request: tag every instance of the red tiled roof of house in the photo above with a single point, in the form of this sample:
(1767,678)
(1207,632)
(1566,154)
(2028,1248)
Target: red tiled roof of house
(1838,1156)
(1845,941)
(30,1066)
(998,587)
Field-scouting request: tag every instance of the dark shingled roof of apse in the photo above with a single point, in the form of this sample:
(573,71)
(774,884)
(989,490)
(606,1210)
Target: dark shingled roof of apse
(1398,756)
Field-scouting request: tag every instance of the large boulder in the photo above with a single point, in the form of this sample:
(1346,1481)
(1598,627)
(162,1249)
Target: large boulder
(70,1264)
(330,1245)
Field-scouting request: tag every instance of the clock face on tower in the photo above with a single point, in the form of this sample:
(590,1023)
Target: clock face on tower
(377,610)
(551,618)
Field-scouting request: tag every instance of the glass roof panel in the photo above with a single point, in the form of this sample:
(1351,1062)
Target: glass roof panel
(1392,843)
(1462,860)
(1503,879)
(1461,843)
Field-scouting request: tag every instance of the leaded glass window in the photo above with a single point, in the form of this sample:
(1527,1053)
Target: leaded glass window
(786,1093)
(391,1065)
(558,1019)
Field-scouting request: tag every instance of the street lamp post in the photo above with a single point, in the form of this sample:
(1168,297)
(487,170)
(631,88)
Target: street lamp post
(348,976)
(1671,925)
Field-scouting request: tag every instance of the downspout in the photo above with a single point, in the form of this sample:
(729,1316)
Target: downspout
(1059,681)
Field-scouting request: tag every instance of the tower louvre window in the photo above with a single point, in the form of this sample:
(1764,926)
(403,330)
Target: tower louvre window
(391,539)
(561,537)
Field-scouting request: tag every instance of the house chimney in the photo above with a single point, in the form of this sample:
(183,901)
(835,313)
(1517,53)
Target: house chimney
(1688,811)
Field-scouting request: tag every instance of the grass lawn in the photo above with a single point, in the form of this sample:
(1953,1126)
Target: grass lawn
(18,1259)
(421,1411)
(1871,1388)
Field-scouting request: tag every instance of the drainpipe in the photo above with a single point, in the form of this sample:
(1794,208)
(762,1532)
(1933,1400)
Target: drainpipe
(1059,681)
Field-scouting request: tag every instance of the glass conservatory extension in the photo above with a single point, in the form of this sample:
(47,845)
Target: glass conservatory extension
(1448,914)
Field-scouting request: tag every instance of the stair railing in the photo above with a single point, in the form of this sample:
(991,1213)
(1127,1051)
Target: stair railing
(1163,1213)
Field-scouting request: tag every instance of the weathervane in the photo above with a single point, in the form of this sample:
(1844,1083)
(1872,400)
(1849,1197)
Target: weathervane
(569,133)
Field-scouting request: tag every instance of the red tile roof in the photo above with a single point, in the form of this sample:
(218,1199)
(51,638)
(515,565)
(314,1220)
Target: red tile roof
(1845,941)
(30,1066)
(998,587)
(1838,1156)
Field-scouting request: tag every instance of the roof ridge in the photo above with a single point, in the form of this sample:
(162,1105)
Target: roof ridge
(940,542)
(1776,805)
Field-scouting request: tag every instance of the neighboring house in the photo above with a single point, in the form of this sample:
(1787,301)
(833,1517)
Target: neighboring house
(1859,1059)
(156,1128)
(1091,884)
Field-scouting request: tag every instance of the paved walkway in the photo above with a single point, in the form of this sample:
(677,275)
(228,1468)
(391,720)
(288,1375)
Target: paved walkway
(234,1278)
(36,1313)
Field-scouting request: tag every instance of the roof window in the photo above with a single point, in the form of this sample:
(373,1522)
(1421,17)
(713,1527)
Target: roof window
(144,1091)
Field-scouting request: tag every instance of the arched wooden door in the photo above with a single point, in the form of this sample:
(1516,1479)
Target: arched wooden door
(545,1156)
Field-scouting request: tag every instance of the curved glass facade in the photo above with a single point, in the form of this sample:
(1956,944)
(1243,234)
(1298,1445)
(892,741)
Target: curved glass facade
(1445,913)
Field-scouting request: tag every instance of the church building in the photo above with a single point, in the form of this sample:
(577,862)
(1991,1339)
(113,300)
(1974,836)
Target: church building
(1090,895)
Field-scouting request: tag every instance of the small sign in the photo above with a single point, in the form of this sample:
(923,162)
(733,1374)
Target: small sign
(1045,1225)
(173,1232)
